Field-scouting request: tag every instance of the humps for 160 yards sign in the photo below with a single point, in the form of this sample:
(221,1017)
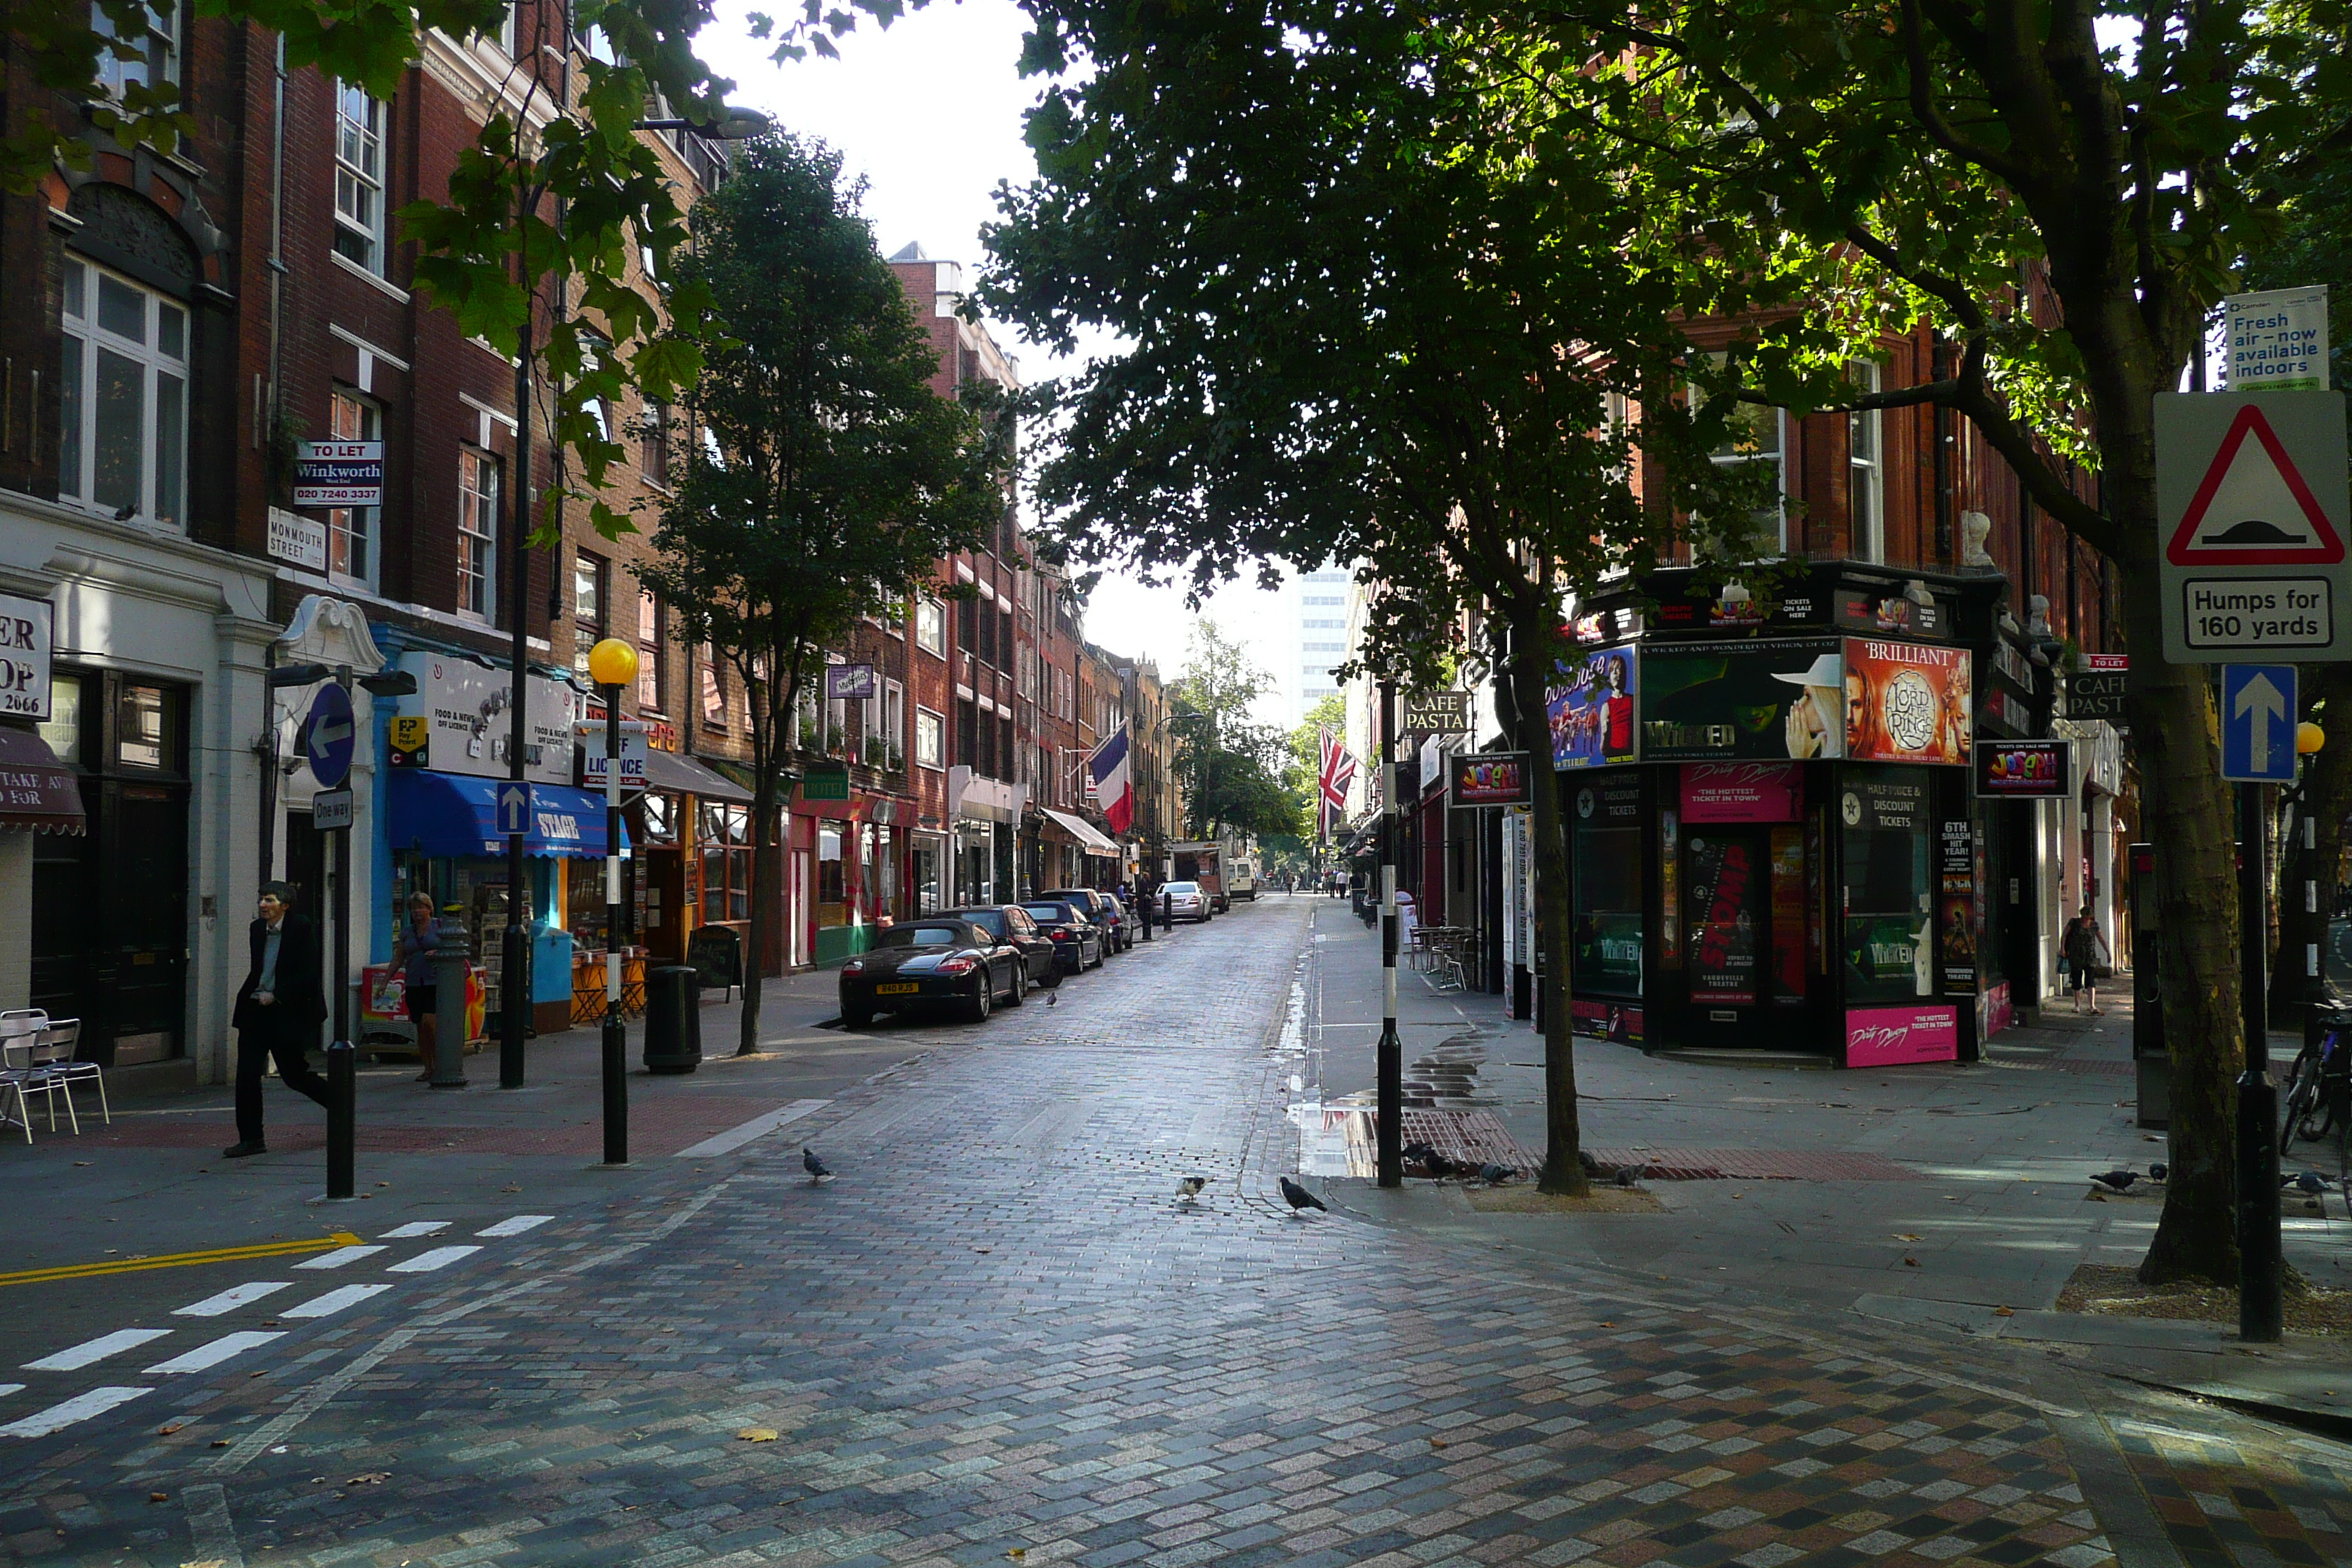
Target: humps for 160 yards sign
(2252,520)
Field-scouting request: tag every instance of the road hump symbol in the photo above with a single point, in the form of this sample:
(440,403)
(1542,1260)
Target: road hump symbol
(2252,508)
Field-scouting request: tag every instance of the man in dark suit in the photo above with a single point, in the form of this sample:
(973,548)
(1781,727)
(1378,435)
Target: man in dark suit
(279,1010)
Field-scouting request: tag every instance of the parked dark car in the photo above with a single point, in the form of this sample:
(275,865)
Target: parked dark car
(929,961)
(1103,909)
(1077,938)
(1011,922)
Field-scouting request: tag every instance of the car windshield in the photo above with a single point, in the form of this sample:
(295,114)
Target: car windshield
(1054,912)
(922,936)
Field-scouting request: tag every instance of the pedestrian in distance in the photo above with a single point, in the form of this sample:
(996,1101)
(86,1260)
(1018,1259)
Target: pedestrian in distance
(2083,948)
(279,1010)
(416,952)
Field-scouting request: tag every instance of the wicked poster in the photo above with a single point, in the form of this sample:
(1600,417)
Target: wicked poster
(1710,703)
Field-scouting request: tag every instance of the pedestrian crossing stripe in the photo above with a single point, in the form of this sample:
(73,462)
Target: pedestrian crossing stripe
(2252,508)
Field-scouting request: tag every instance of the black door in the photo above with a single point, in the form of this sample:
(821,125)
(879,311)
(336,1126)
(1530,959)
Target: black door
(141,959)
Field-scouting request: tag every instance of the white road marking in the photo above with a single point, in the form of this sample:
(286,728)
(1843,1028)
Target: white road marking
(340,1257)
(99,1349)
(230,1299)
(7,1388)
(517,1226)
(334,1300)
(80,1407)
(218,1351)
(426,1262)
(416,1228)
(735,1137)
(209,1527)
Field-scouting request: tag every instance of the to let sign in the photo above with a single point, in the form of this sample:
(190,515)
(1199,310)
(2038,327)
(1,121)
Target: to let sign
(2252,510)
(338,473)
(25,633)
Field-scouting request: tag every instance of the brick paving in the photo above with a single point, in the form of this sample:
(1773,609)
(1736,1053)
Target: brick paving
(1755,1164)
(998,1338)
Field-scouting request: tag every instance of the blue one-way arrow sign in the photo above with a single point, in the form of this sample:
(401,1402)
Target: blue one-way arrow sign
(514,808)
(2258,709)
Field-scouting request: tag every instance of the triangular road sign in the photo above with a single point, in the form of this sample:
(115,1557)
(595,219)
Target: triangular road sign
(2252,509)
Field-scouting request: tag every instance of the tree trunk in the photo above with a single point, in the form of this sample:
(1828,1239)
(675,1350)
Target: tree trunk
(2187,814)
(2327,797)
(1536,654)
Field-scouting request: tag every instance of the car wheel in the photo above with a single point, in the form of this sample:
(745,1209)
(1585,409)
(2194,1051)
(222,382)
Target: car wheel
(1098,959)
(1053,975)
(855,1018)
(983,994)
(1018,991)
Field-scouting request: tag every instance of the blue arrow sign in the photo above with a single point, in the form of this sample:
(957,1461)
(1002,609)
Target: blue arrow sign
(330,737)
(514,808)
(2258,713)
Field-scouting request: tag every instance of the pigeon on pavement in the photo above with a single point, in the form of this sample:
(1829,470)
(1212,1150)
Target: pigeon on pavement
(1494,1176)
(1190,1188)
(1053,997)
(812,1165)
(1630,1176)
(1298,1197)
(2159,1171)
(2311,1183)
(2114,1181)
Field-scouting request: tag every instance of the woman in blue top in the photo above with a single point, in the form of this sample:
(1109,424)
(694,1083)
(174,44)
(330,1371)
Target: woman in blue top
(419,944)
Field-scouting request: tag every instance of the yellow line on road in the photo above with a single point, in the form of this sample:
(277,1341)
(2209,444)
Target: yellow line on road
(178,1259)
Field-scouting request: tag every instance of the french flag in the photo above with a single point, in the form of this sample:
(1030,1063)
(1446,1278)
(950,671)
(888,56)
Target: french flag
(1114,791)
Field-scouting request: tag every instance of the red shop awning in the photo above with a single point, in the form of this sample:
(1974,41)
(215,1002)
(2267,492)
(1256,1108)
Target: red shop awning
(37,791)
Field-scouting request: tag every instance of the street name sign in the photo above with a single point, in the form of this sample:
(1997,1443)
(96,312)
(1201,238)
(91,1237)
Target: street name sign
(2251,512)
(330,736)
(2258,709)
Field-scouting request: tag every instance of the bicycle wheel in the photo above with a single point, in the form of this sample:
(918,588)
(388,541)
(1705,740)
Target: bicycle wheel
(2299,1101)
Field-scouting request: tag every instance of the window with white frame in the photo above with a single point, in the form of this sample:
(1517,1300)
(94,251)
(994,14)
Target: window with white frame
(477,533)
(351,530)
(931,626)
(931,739)
(359,177)
(149,58)
(653,691)
(592,599)
(1866,468)
(894,723)
(1759,435)
(123,397)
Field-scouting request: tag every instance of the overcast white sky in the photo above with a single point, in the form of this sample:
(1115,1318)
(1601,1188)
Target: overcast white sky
(928,110)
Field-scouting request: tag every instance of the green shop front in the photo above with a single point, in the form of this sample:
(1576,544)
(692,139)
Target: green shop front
(1771,830)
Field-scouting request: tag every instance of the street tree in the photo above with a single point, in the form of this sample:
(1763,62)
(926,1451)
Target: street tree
(2065,208)
(1226,760)
(831,478)
(1367,327)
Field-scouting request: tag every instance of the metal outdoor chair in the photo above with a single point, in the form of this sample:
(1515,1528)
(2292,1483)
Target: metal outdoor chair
(53,1053)
(20,1079)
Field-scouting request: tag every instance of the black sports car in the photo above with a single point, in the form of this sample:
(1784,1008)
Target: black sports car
(1011,922)
(1074,934)
(931,960)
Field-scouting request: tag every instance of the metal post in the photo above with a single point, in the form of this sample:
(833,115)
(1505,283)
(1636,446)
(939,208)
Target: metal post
(342,1115)
(514,984)
(2314,933)
(1388,1118)
(2260,1309)
(617,1034)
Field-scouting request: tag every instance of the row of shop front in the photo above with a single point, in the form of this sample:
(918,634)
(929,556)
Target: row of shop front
(137,816)
(1846,823)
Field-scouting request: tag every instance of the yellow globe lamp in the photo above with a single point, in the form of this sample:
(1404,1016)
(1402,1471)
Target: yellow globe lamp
(612,663)
(2309,738)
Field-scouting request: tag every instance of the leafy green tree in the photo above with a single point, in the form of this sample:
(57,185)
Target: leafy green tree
(1225,761)
(1367,326)
(2065,213)
(834,477)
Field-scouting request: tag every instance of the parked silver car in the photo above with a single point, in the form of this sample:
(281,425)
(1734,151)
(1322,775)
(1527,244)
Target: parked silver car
(1183,902)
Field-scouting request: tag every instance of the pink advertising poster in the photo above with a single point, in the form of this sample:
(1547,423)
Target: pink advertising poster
(1888,1037)
(1742,792)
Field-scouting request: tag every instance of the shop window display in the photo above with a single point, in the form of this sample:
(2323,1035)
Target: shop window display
(1888,896)
(1609,929)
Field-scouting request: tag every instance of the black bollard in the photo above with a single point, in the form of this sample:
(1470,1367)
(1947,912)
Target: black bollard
(616,1095)
(342,1087)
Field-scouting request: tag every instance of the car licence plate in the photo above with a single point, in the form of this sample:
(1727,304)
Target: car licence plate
(902,990)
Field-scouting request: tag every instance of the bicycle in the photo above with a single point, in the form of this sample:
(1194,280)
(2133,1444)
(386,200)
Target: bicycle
(2318,1095)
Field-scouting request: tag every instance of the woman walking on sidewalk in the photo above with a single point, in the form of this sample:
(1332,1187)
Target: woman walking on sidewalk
(2084,947)
(416,952)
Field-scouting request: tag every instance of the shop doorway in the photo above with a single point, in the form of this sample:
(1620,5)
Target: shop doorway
(1750,937)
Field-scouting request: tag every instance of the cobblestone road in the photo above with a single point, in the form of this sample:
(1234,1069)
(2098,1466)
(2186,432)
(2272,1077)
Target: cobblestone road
(996,1338)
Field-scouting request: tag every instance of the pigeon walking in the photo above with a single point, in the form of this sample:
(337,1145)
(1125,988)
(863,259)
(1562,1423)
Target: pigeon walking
(1494,1176)
(1298,1197)
(1190,1188)
(814,1166)
(1053,997)
(2310,1184)
(2114,1181)
(1630,1175)
(2159,1171)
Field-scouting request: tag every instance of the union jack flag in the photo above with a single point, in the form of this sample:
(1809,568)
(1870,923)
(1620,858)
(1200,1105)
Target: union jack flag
(1336,772)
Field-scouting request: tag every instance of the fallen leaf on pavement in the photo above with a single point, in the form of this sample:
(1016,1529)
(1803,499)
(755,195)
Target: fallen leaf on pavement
(2004,1311)
(373,1479)
(756,1435)
(220,1442)
(1904,1235)
(1910,1263)
(168,1427)
(158,1496)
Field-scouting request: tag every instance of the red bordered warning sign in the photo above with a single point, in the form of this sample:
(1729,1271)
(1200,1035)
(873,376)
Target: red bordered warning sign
(2252,509)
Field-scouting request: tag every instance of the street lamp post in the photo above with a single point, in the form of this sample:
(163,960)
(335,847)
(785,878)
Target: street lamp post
(612,665)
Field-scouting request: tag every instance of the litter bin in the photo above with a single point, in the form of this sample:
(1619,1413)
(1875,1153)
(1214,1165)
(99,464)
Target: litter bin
(673,1019)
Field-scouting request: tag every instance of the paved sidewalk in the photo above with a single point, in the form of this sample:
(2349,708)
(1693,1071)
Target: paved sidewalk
(1949,1197)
